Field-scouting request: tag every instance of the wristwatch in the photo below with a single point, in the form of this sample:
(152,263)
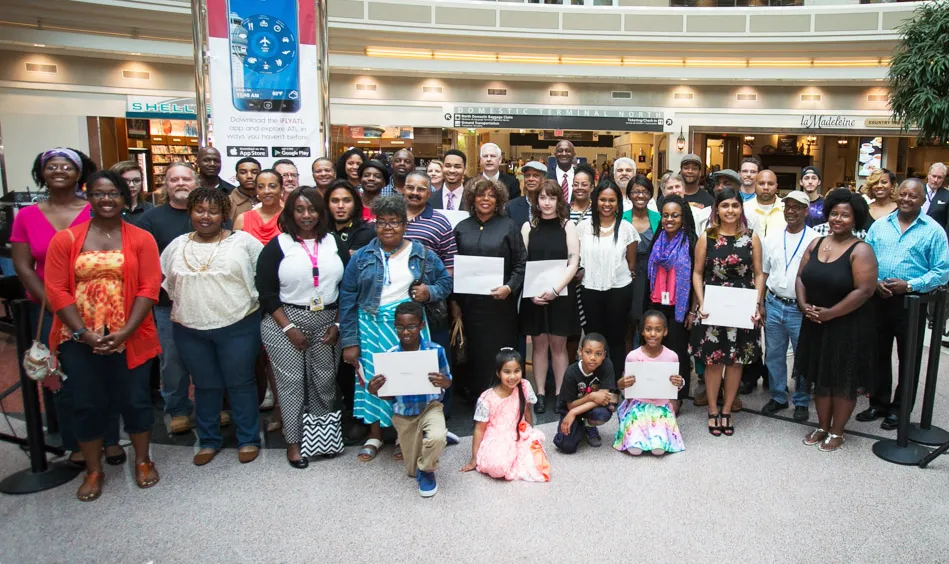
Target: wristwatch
(909,288)
(76,335)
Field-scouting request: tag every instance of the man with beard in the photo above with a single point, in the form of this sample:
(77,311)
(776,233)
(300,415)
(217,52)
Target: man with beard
(244,198)
(209,170)
(565,154)
(765,214)
(691,171)
(450,196)
(403,162)
(491,169)
(624,169)
(166,223)
(750,166)
(519,209)
(290,175)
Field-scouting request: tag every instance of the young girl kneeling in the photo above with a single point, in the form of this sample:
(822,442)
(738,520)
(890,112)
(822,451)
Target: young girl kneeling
(504,443)
(649,424)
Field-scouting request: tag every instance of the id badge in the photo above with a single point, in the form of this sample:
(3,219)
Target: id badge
(664,298)
(316,304)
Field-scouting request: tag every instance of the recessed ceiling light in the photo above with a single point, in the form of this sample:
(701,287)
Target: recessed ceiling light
(39,45)
(133,53)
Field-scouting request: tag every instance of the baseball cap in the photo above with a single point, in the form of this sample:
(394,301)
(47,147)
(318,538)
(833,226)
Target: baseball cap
(798,196)
(691,158)
(729,173)
(536,165)
(810,170)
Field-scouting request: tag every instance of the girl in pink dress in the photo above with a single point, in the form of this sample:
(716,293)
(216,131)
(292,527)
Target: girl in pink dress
(505,445)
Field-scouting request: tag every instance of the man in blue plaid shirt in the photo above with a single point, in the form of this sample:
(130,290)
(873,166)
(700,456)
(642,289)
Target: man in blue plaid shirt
(419,421)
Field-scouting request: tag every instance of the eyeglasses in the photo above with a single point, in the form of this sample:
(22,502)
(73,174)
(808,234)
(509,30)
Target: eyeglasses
(105,195)
(675,215)
(639,193)
(63,167)
(133,181)
(290,175)
(410,327)
(388,224)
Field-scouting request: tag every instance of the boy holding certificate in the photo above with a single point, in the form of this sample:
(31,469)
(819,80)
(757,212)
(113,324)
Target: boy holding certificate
(419,420)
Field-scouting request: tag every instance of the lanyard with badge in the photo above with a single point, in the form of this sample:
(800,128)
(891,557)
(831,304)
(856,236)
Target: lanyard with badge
(787,261)
(316,303)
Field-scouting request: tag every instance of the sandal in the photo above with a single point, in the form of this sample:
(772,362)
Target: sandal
(92,485)
(716,428)
(727,428)
(369,450)
(815,437)
(824,446)
(115,459)
(397,455)
(145,474)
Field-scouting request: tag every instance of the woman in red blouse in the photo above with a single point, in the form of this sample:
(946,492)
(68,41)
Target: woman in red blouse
(102,279)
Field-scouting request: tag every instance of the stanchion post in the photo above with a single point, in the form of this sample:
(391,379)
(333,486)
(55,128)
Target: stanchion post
(40,475)
(924,432)
(901,451)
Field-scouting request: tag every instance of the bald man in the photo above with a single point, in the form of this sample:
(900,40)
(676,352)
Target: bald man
(209,169)
(764,212)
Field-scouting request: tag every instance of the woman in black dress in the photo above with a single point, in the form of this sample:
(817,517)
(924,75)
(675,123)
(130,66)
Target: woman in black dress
(489,323)
(837,277)
(550,318)
(727,254)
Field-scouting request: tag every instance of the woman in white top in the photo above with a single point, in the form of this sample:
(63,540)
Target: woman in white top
(298,277)
(209,276)
(608,258)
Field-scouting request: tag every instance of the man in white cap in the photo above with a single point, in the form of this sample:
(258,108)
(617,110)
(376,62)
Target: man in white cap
(781,259)
(519,209)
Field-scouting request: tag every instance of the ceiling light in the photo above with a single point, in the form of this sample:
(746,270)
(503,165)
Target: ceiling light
(680,142)
(843,141)
(465,56)
(39,45)
(401,53)
(548,59)
(716,62)
(591,60)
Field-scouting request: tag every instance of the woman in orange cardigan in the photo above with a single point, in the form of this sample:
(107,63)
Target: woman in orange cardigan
(102,279)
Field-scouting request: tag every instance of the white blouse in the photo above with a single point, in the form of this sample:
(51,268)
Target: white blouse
(296,271)
(604,260)
(211,285)
(400,277)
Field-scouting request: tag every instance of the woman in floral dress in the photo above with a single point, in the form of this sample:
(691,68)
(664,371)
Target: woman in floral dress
(728,255)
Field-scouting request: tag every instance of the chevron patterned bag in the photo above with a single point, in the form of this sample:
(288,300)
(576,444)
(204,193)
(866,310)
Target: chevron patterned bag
(322,435)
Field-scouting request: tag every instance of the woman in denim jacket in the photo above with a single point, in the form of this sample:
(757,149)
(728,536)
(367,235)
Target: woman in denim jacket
(386,272)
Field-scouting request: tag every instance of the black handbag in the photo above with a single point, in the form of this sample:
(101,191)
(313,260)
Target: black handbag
(323,434)
(436,312)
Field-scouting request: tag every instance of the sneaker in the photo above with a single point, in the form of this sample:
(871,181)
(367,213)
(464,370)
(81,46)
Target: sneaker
(426,483)
(268,402)
(772,407)
(801,413)
(181,424)
(593,437)
(451,438)
(701,398)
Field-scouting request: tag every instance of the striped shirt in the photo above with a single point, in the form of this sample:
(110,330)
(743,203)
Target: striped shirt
(434,231)
(411,406)
(919,255)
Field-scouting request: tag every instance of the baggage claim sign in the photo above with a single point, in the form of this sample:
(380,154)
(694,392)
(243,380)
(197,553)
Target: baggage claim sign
(595,119)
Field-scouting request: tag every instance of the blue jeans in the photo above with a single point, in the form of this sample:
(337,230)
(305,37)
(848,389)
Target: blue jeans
(175,378)
(569,443)
(220,359)
(783,324)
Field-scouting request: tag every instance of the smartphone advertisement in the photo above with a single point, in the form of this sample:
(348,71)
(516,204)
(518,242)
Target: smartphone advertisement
(264,82)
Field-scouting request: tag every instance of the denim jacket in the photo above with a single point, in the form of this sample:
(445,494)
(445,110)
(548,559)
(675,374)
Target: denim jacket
(361,288)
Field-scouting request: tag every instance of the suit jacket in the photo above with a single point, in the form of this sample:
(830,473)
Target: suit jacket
(513,186)
(436,200)
(518,210)
(939,207)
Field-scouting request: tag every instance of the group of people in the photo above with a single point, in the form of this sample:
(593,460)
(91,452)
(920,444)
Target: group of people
(235,289)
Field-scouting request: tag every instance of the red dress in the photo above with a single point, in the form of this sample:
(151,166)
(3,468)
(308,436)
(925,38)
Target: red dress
(254,225)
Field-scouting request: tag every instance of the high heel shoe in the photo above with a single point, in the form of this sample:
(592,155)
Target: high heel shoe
(301,463)
(715,429)
(727,429)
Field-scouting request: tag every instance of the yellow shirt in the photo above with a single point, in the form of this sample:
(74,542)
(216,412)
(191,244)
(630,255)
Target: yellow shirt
(762,222)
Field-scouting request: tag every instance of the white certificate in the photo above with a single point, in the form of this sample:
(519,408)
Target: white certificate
(454,216)
(652,380)
(730,307)
(406,372)
(478,275)
(542,276)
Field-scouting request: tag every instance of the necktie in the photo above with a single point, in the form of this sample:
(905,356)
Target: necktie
(451,201)
(566,189)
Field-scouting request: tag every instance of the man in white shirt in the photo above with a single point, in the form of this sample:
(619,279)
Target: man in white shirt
(765,213)
(624,169)
(491,169)
(565,153)
(783,250)
(450,195)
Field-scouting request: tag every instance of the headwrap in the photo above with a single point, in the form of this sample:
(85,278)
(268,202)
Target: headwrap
(667,255)
(68,154)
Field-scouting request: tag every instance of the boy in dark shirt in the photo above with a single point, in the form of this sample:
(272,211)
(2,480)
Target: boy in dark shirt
(586,399)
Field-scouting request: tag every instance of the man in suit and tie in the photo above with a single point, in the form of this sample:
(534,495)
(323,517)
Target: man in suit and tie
(936,204)
(451,195)
(491,169)
(519,209)
(565,153)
